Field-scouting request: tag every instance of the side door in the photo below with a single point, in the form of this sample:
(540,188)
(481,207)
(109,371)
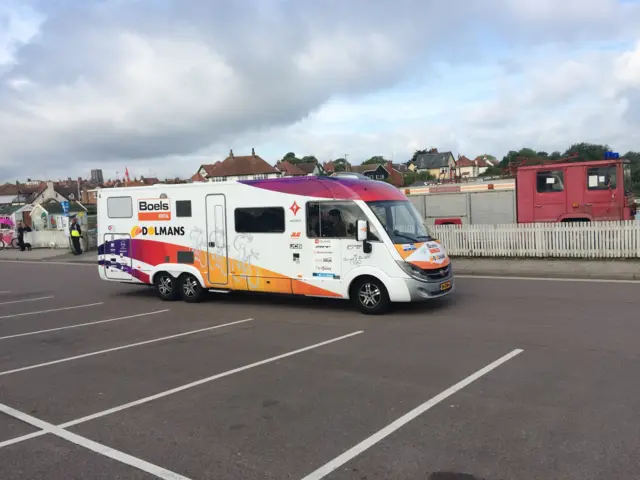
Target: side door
(323,266)
(117,256)
(600,193)
(549,197)
(217,247)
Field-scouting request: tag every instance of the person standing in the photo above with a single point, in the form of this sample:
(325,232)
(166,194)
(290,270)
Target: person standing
(22,229)
(76,234)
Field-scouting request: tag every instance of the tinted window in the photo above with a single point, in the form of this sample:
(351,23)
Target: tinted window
(183,208)
(119,207)
(601,178)
(335,220)
(259,220)
(550,181)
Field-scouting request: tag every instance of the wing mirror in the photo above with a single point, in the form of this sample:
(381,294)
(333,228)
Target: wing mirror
(362,234)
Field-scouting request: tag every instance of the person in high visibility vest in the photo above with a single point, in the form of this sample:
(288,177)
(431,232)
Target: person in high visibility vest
(76,234)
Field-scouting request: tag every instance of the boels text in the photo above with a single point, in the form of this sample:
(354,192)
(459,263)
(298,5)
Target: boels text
(153,210)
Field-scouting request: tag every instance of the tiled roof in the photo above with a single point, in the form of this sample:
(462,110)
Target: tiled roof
(245,165)
(198,178)
(465,162)
(329,167)
(289,168)
(54,207)
(482,162)
(307,167)
(429,161)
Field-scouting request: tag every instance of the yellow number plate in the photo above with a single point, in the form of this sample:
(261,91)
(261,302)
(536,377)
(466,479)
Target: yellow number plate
(445,286)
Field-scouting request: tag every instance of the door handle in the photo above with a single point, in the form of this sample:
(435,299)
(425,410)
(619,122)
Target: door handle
(587,204)
(538,206)
(212,244)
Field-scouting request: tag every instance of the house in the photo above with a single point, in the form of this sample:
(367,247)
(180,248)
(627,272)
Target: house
(329,167)
(484,163)
(382,172)
(466,168)
(441,165)
(50,215)
(250,167)
(314,168)
(288,169)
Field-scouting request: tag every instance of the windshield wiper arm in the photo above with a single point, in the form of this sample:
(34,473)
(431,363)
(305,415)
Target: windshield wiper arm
(398,234)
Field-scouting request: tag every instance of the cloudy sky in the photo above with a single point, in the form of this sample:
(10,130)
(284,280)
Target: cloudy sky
(162,86)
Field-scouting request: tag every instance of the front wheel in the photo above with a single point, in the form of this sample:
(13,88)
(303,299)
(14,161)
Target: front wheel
(190,289)
(166,286)
(370,296)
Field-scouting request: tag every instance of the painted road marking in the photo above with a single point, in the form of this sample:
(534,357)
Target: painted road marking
(45,262)
(181,388)
(2,292)
(547,279)
(82,325)
(91,445)
(37,299)
(122,347)
(51,310)
(400,422)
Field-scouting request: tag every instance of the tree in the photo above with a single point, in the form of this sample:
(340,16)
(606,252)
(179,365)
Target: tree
(555,155)
(634,158)
(412,177)
(308,159)
(587,151)
(378,159)
(513,155)
(291,158)
(340,164)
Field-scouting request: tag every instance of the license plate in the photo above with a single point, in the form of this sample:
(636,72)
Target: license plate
(445,286)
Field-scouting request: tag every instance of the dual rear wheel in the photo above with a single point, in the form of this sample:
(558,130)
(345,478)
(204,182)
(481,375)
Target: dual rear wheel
(185,287)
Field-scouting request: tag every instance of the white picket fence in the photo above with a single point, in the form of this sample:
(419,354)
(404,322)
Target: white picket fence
(565,240)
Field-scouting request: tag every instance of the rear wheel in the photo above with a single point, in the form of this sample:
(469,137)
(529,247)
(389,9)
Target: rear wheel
(190,289)
(370,296)
(166,286)
(14,243)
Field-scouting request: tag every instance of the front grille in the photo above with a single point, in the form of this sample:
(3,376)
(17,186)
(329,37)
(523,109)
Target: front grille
(437,273)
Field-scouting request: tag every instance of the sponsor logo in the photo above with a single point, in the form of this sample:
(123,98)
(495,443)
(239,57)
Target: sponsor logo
(354,247)
(324,260)
(295,235)
(295,246)
(149,231)
(434,250)
(324,269)
(432,245)
(295,208)
(440,256)
(329,275)
(152,210)
(324,242)
(408,248)
(322,246)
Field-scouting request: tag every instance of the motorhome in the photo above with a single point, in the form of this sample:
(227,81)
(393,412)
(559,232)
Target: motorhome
(343,238)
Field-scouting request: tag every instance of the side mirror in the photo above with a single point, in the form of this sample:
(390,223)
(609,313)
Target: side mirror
(362,230)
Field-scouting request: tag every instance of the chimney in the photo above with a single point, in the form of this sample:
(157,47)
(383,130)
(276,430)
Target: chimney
(390,166)
(231,153)
(253,152)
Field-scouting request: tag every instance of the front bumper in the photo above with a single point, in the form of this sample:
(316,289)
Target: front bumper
(422,291)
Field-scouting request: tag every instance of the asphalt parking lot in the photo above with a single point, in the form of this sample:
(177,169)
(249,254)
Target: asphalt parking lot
(505,379)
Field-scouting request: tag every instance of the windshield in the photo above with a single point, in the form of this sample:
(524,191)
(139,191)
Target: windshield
(401,220)
(626,168)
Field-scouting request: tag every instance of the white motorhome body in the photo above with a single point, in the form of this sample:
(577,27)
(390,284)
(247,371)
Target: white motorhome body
(326,237)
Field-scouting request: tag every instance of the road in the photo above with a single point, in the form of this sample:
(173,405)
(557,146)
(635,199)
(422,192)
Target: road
(505,379)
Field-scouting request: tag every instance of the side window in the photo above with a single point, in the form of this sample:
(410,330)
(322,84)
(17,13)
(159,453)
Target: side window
(601,178)
(550,181)
(119,207)
(335,220)
(183,208)
(259,220)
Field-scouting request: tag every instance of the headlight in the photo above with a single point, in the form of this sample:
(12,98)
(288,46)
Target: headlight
(412,270)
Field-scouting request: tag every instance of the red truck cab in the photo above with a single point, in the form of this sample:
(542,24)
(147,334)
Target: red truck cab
(575,192)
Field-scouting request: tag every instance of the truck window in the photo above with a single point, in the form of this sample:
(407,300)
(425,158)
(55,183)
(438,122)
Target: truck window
(335,220)
(259,220)
(183,208)
(119,207)
(601,178)
(550,181)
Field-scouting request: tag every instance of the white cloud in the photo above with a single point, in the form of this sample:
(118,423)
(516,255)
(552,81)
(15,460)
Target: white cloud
(165,85)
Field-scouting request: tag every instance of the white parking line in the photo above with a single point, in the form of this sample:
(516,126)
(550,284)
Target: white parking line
(122,347)
(547,279)
(45,262)
(2,292)
(400,422)
(180,389)
(37,299)
(93,446)
(51,310)
(82,325)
